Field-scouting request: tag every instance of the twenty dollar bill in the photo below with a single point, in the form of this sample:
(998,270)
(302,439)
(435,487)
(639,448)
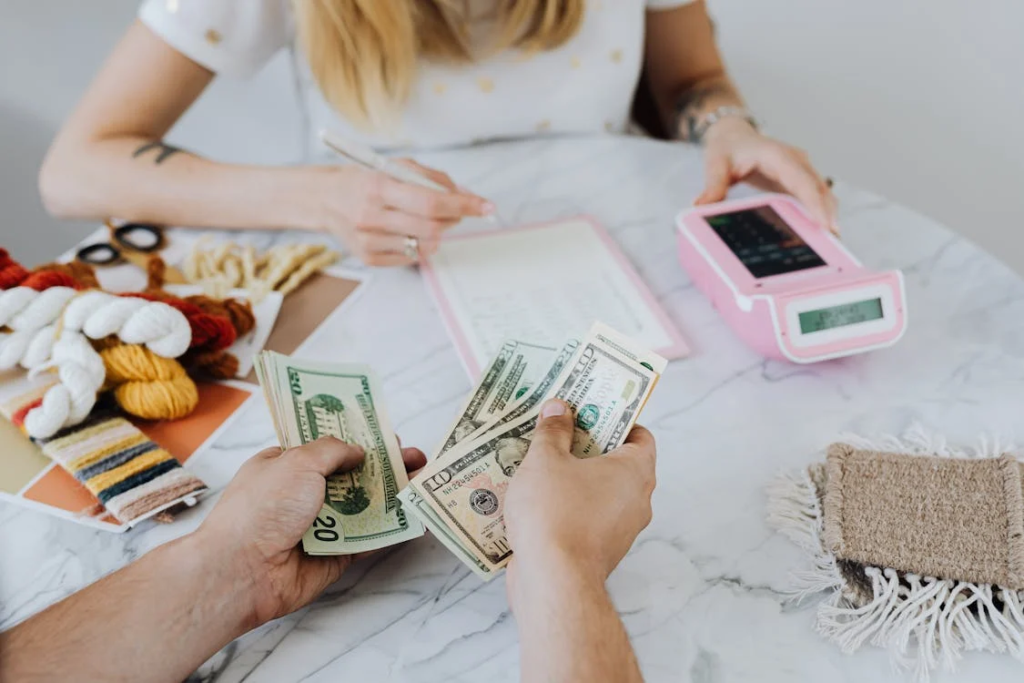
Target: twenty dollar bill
(309,400)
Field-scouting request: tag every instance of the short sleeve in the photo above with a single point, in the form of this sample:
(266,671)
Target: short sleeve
(230,37)
(667,4)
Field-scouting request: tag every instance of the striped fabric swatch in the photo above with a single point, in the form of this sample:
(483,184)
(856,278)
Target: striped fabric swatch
(130,475)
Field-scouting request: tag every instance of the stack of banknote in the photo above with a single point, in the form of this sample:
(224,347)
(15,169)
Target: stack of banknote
(309,400)
(459,496)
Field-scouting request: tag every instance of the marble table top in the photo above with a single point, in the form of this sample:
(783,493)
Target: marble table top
(700,592)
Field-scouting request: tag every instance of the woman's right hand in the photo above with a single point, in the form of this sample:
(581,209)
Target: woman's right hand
(373,214)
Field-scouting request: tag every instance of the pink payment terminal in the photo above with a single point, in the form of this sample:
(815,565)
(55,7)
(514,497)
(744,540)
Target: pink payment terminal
(787,287)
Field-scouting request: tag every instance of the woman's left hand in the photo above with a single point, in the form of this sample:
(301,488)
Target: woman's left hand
(735,151)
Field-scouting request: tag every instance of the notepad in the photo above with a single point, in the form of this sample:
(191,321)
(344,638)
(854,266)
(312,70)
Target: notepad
(542,283)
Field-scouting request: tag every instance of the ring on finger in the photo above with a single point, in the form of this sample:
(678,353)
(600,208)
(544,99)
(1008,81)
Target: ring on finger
(411,248)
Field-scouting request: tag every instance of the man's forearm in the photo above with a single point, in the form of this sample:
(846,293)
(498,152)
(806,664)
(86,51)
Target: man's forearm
(568,628)
(143,180)
(155,620)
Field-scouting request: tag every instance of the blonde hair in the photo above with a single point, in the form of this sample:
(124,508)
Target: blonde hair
(363,53)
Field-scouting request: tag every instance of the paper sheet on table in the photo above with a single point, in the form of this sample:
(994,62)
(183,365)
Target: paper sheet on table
(542,283)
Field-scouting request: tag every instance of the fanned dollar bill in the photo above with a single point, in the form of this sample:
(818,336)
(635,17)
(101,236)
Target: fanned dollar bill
(537,394)
(511,375)
(309,400)
(606,380)
(435,525)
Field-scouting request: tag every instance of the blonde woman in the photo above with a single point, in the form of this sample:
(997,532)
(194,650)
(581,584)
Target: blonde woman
(398,75)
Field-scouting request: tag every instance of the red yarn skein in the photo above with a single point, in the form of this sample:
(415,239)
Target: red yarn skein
(12,273)
(209,332)
(45,279)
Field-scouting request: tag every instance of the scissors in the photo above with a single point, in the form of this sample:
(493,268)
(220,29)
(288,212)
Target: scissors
(131,242)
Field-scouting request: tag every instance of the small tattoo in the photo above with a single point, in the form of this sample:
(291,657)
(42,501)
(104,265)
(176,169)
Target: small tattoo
(165,151)
(690,109)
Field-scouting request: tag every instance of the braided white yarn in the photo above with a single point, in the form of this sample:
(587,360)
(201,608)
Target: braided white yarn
(13,301)
(81,373)
(30,314)
(25,309)
(162,328)
(33,317)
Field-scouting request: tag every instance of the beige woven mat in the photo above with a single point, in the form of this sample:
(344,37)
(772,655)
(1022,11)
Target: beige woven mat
(949,518)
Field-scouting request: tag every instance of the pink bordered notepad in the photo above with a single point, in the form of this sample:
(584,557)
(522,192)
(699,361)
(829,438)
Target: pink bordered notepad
(542,283)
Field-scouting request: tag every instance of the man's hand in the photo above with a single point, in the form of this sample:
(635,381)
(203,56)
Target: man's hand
(569,522)
(269,505)
(587,513)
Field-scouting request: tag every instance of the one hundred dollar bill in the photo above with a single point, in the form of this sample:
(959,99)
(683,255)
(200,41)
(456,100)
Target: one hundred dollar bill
(510,376)
(309,400)
(606,385)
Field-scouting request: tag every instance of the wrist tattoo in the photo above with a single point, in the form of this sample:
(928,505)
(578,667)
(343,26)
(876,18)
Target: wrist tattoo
(690,110)
(165,151)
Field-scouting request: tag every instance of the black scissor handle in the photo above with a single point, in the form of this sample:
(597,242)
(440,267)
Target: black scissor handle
(101,254)
(139,237)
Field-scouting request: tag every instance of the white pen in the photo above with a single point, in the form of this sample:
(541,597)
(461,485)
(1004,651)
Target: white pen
(365,156)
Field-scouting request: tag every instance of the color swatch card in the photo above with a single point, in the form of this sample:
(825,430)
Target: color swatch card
(544,283)
(30,479)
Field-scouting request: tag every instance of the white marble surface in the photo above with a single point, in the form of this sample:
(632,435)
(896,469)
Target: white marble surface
(699,591)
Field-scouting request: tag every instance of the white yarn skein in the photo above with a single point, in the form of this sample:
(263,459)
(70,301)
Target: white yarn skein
(162,328)
(82,306)
(40,347)
(12,348)
(42,310)
(111,317)
(25,309)
(33,316)
(28,312)
(81,374)
(44,421)
(13,301)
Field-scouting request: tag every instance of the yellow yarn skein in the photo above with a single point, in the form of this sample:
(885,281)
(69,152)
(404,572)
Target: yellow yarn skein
(147,385)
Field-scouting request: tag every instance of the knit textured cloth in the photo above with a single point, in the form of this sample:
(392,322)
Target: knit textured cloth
(953,518)
(914,545)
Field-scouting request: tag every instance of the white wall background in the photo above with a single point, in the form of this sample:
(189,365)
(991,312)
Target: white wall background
(920,100)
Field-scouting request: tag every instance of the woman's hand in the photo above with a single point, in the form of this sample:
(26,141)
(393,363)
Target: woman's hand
(735,151)
(374,214)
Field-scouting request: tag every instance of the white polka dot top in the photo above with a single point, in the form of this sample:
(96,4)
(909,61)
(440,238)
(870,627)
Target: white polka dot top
(584,86)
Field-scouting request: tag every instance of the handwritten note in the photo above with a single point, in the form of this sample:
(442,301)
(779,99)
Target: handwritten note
(542,283)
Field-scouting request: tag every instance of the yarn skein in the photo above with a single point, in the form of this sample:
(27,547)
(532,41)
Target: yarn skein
(209,332)
(12,273)
(75,274)
(81,373)
(147,385)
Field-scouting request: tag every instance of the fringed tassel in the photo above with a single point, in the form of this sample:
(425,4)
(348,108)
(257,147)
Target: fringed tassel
(794,510)
(924,622)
